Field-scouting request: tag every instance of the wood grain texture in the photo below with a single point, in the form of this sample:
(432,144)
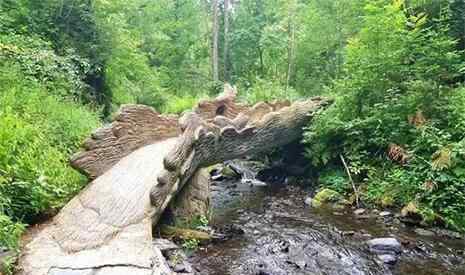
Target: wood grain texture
(107,228)
(133,127)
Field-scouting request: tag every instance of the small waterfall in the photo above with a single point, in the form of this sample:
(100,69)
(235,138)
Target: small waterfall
(248,174)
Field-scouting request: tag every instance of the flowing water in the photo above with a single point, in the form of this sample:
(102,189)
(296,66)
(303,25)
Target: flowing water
(276,233)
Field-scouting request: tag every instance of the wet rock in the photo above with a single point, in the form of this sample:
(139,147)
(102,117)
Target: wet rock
(359,211)
(164,244)
(325,195)
(383,246)
(229,172)
(363,217)
(218,177)
(183,267)
(385,214)
(297,256)
(424,232)
(348,233)
(388,259)
(308,201)
(410,214)
(338,206)
(448,233)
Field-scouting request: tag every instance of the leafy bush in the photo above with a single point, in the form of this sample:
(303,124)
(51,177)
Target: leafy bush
(10,232)
(398,117)
(38,131)
(266,90)
(335,180)
(178,104)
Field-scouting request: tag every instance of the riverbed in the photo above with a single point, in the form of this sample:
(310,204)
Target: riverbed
(276,233)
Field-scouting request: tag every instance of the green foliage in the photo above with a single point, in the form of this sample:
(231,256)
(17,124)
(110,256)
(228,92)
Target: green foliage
(398,99)
(195,223)
(10,231)
(263,90)
(178,104)
(335,180)
(191,244)
(38,131)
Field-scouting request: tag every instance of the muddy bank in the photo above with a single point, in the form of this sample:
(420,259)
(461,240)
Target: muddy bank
(282,235)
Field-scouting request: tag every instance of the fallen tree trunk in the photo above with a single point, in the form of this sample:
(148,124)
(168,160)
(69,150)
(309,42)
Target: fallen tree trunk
(206,142)
(107,228)
(183,233)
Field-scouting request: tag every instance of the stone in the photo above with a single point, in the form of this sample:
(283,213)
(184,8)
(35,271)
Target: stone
(359,211)
(325,195)
(448,233)
(384,246)
(424,232)
(348,233)
(164,244)
(180,268)
(301,264)
(218,177)
(385,214)
(338,206)
(388,259)
(308,201)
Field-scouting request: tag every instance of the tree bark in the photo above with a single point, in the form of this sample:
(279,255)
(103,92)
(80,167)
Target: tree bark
(215,28)
(291,42)
(227,7)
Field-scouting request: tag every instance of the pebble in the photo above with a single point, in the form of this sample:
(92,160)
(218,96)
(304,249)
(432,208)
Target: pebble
(424,232)
(384,246)
(308,201)
(164,244)
(363,217)
(388,259)
(348,233)
(359,211)
(366,235)
(385,214)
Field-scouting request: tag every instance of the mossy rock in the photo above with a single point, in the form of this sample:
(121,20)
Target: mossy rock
(411,209)
(387,201)
(325,195)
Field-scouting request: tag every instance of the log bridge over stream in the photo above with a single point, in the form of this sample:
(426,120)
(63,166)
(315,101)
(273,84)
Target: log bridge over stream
(144,163)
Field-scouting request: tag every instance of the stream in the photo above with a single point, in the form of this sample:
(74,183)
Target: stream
(275,233)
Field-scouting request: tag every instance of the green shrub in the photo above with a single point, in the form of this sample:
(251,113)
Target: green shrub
(398,117)
(178,104)
(266,90)
(9,232)
(335,180)
(38,131)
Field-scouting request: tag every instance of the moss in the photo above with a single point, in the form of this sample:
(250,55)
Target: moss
(325,195)
(387,201)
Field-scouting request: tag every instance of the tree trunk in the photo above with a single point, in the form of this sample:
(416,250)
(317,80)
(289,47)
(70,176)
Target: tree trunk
(215,28)
(227,7)
(291,42)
